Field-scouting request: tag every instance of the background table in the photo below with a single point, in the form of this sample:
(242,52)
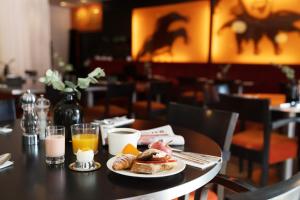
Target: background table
(30,178)
(36,88)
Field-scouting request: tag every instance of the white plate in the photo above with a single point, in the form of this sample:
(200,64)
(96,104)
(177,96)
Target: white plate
(177,169)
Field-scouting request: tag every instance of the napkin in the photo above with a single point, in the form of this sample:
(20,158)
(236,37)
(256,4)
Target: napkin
(4,160)
(6,164)
(115,121)
(164,133)
(201,161)
(109,123)
(4,130)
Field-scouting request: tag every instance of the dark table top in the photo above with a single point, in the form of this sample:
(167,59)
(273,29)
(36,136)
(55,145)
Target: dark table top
(31,178)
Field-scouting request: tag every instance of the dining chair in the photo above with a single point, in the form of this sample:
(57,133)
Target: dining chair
(7,110)
(261,145)
(216,124)
(14,81)
(288,189)
(189,90)
(117,102)
(211,93)
(156,101)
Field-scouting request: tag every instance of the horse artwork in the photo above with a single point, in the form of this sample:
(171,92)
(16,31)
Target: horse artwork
(274,25)
(162,39)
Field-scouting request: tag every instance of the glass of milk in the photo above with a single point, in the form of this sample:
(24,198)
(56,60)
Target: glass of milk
(55,145)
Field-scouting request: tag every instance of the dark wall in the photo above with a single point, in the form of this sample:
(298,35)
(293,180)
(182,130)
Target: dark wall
(115,39)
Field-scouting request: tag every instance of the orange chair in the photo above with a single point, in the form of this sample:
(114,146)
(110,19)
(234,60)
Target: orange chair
(259,145)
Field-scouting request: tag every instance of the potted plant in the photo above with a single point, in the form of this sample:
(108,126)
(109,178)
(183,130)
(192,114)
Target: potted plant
(68,111)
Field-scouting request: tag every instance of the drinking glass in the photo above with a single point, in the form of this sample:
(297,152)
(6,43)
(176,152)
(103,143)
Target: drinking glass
(55,145)
(85,137)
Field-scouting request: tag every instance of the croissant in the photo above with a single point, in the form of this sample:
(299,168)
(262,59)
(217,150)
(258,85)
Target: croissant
(123,162)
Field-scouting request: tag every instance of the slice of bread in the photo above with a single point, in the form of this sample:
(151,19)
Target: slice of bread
(151,168)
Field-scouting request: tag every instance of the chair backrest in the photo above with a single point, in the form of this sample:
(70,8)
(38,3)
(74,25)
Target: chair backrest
(7,110)
(211,95)
(160,88)
(14,82)
(159,91)
(190,85)
(187,81)
(216,124)
(124,90)
(288,189)
(249,109)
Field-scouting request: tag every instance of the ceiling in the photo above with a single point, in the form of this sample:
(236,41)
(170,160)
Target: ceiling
(71,3)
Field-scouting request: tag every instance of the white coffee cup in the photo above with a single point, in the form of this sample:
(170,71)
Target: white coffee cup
(118,138)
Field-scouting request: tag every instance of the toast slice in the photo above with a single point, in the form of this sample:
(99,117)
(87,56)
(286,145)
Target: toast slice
(152,168)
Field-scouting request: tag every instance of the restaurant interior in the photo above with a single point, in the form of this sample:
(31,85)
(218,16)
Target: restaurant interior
(149,99)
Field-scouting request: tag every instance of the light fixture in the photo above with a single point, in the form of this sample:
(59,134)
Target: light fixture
(63,4)
(83,1)
(96,11)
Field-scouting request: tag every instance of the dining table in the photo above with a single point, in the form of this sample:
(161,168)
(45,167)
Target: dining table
(31,178)
(34,87)
(140,87)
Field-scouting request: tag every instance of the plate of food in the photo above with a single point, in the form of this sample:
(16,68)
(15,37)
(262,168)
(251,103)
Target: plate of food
(152,163)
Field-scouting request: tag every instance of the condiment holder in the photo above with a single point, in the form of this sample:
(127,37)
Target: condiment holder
(29,120)
(84,162)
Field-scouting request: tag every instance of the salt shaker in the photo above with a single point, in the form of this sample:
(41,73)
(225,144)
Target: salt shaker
(42,108)
(29,121)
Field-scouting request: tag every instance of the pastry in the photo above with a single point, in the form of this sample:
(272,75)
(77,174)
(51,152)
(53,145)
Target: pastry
(124,161)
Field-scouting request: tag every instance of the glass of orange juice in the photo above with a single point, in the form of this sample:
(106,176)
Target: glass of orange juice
(85,137)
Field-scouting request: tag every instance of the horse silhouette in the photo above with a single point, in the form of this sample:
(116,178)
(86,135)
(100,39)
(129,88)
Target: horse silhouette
(162,39)
(256,29)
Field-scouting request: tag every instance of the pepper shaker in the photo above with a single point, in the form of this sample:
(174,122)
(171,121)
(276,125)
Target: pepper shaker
(29,121)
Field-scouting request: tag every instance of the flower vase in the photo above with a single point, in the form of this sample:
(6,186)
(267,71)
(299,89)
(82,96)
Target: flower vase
(68,112)
(292,92)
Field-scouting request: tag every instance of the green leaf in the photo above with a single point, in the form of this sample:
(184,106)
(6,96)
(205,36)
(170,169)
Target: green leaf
(49,72)
(83,83)
(54,78)
(58,85)
(70,84)
(68,89)
(93,80)
(98,72)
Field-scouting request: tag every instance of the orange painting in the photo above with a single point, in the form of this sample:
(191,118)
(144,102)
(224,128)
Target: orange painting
(171,33)
(256,32)
(87,17)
